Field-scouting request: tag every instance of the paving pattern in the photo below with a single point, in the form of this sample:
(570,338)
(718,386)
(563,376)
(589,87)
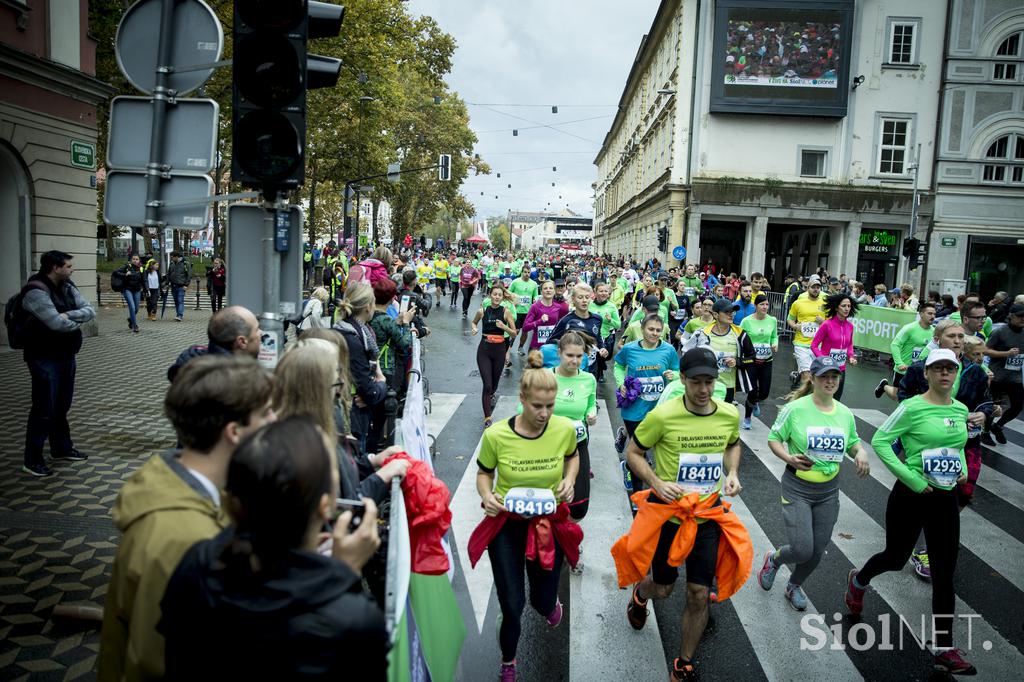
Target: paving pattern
(57,541)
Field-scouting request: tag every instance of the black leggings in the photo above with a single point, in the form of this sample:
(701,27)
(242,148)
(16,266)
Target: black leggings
(581,488)
(490,360)
(467,294)
(630,426)
(507,553)
(1014,392)
(906,514)
(842,385)
(455,295)
(761,375)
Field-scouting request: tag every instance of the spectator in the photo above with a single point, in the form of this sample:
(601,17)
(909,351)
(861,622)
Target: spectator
(858,293)
(314,314)
(153,281)
(307,265)
(172,502)
(881,300)
(394,339)
(133,282)
(354,313)
(179,272)
(259,601)
(945,308)
(231,330)
(218,284)
(999,307)
(54,314)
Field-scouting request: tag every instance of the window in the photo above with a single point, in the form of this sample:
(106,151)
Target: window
(1009,149)
(901,43)
(812,163)
(1007,71)
(892,149)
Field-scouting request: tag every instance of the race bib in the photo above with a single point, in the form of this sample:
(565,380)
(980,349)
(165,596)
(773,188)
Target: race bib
(699,473)
(762,351)
(524,300)
(826,444)
(722,357)
(690,291)
(915,354)
(809,329)
(530,502)
(941,466)
(592,356)
(581,431)
(679,314)
(544,333)
(1014,363)
(839,356)
(651,387)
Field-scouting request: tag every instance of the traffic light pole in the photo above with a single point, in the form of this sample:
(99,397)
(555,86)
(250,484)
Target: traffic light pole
(271,321)
(161,93)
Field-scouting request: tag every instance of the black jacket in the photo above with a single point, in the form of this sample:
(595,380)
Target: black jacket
(134,278)
(178,274)
(361,352)
(311,620)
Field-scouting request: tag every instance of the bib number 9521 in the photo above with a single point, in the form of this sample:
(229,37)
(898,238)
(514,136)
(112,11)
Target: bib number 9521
(530,502)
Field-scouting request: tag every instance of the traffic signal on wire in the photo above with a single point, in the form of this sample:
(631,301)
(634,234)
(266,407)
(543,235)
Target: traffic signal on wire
(272,73)
(662,239)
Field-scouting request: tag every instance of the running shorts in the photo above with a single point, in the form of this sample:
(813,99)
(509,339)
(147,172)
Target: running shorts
(804,357)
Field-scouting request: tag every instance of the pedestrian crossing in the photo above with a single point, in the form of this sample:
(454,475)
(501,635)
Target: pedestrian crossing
(757,632)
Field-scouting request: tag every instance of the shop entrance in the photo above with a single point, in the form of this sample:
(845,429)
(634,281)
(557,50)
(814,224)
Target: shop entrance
(794,250)
(721,242)
(994,264)
(878,257)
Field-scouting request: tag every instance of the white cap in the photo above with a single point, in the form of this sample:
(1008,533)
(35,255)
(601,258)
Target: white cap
(814,278)
(941,355)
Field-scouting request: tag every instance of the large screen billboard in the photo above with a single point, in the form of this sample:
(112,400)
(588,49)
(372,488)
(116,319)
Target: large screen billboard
(782,57)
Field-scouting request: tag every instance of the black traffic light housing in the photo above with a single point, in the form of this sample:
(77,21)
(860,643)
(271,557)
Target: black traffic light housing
(271,74)
(662,239)
(912,251)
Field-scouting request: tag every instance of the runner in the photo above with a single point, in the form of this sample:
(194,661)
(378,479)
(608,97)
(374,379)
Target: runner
(692,284)
(805,315)
(533,457)
(933,430)
(812,434)
(835,336)
(696,447)
(469,276)
(1004,347)
(911,339)
(731,345)
(634,330)
(703,315)
(544,314)
(440,276)
(763,330)
(580,319)
(524,293)
(490,354)
(453,277)
(610,322)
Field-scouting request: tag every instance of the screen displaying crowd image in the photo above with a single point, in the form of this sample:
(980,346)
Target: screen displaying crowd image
(776,53)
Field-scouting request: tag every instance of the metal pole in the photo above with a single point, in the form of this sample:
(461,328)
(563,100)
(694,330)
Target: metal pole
(271,322)
(161,94)
(913,201)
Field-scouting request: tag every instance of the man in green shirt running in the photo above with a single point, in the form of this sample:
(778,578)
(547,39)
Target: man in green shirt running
(694,287)
(911,340)
(524,293)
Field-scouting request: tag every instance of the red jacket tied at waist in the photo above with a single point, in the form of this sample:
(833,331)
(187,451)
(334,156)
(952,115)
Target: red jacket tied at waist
(429,514)
(541,537)
(634,551)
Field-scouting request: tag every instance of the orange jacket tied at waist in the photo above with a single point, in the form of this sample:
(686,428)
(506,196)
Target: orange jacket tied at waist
(634,551)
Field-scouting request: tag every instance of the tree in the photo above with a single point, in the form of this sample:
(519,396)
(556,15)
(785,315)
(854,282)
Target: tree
(499,236)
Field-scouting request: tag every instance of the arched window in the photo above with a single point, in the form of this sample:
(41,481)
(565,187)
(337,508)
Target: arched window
(1004,160)
(1007,71)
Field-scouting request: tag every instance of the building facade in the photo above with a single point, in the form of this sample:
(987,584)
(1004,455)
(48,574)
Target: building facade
(48,99)
(978,234)
(772,180)
(520,221)
(554,232)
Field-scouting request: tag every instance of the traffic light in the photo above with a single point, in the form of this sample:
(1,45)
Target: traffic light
(662,239)
(272,73)
(444,167)
(912,251)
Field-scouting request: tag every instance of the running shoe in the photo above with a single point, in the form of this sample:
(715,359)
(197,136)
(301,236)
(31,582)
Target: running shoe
(854,596)
(880,388)
(487,422)
(508,672)
(71,455)
(637,612)
(521,351)
(796,597)
(682,672)
(555,617)
(757,410)
(997,431)
(766,576)
(620,439)
(745,424)
(794,379)
(38,470)
(952,661)
(986,439)
(627,477)
(922,567)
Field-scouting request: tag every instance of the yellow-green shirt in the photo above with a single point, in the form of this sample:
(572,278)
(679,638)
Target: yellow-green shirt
(521,462)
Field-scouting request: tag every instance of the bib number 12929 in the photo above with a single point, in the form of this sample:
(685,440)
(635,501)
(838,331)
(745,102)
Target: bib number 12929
(941,466)
(530,502)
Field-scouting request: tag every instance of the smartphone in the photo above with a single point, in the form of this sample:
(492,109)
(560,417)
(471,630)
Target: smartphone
(403,307)
(357,507)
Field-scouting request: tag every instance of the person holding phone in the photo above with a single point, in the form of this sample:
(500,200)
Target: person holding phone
(813,434)
(528,465)
(258,601)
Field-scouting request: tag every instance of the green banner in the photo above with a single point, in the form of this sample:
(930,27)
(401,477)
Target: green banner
(874,328)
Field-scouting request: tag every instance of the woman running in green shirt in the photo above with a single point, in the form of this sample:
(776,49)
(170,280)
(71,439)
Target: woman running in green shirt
(812,435)
(933,429)
(702,317)
(763,330)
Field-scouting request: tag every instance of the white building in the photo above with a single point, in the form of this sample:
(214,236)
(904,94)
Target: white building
(773,145)
(571,233)
(978,233)
(519,221)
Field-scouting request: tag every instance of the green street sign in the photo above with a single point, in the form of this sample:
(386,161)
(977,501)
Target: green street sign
(949,242)
(83,154)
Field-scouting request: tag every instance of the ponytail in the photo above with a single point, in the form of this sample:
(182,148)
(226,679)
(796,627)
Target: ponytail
(804,389)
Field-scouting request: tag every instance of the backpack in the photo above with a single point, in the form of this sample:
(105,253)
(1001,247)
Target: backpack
(117,278)
(370,270)
(16,318)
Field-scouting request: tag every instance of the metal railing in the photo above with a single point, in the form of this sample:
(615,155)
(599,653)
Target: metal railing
(202,302)
(777,309)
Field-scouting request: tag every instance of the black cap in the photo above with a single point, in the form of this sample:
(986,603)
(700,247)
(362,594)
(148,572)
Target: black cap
(724,305)
(760,298)
(651,303)
(1017,309)
(559,282)
(699,362)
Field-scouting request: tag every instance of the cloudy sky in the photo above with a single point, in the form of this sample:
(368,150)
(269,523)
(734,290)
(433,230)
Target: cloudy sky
(573,54)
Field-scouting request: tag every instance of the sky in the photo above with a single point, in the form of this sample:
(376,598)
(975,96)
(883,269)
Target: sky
(573,54)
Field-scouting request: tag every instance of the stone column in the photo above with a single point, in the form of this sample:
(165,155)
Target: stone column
(850,243)
(693,239)
(754,253)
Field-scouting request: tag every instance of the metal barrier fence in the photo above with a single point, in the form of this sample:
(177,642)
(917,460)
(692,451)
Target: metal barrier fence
(202,298)
(777,309)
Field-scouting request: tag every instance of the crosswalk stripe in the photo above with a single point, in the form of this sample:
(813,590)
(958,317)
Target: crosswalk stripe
(466,514)
(601,635)
(442,408)
(906,596)
(1011,450)
(997,483)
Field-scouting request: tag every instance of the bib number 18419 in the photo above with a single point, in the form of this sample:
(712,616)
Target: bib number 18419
(530,502)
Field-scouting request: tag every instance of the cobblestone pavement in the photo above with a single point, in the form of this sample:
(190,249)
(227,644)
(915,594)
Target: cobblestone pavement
(57,541)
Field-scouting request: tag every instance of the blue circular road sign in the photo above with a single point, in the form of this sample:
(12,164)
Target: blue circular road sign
(679,253)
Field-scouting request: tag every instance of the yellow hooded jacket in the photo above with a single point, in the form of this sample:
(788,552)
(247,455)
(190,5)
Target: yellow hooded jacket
(162,510)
